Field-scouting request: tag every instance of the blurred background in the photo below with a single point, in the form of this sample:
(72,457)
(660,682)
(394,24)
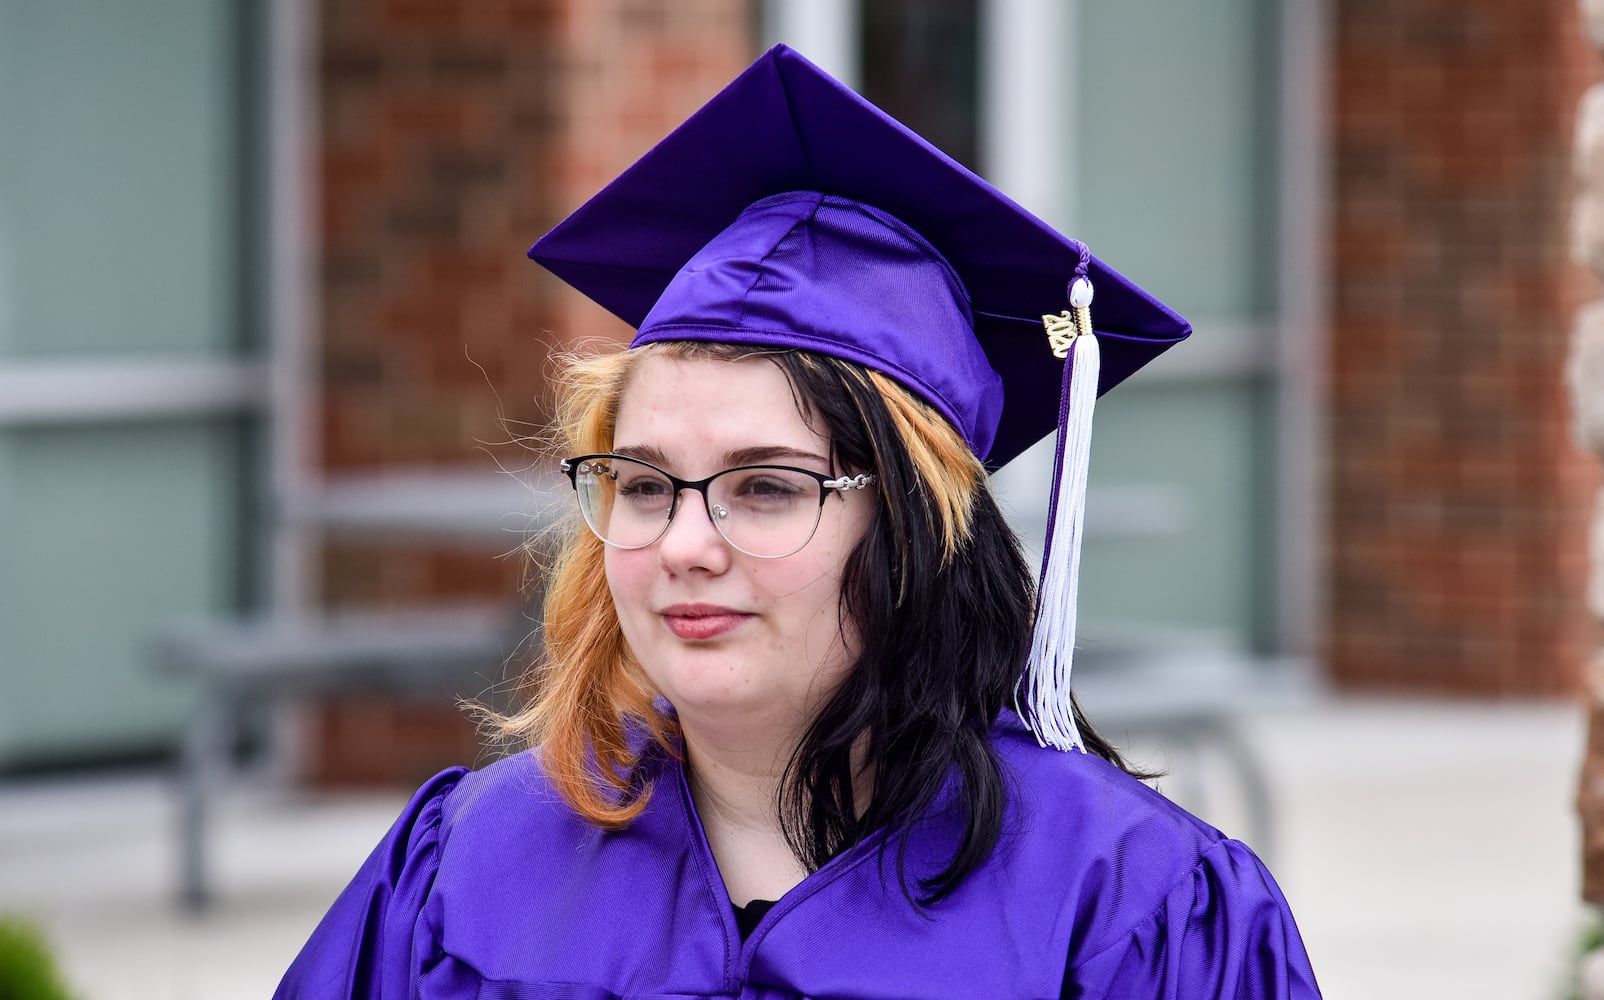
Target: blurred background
(271,357)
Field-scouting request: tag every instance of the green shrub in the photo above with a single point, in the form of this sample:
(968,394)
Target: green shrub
(1589,939)
(27,970)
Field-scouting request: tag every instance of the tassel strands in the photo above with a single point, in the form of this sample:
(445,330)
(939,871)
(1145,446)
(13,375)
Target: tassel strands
(1048,708)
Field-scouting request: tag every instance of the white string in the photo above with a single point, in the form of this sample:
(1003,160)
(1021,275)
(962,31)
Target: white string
(1049,710)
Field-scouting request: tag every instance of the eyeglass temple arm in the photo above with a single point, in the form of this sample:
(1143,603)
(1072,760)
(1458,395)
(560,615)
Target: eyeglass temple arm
(858,482)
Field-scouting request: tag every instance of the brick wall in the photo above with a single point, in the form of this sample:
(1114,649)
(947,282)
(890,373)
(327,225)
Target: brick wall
(1457,540)
(454,132)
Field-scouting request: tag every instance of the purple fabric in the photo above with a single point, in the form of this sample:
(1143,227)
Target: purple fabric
(786,126)
(489,887)
(815,271)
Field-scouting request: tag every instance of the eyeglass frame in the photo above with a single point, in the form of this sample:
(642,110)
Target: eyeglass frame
(839,485)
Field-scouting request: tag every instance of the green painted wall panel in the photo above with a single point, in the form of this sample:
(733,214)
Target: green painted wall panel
(119,239)
(1184,465)
(117,181)
(106,534)
(1177,185)
(1176,512)
(1174,136)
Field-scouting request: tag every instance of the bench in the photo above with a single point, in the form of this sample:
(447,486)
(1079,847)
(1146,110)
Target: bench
(1192,697)
(250,664)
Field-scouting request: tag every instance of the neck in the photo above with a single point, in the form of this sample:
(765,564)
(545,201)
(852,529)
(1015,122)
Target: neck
(735,785)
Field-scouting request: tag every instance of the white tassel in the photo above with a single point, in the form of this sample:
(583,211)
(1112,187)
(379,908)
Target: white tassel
(1048,708)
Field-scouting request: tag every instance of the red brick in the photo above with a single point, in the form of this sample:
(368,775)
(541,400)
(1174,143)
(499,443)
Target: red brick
(1450,130)
(453,133)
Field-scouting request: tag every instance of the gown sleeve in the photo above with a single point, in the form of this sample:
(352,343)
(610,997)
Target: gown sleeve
(1223,932)
(364,947)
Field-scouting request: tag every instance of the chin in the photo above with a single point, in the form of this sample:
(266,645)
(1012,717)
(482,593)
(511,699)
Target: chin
(699,677)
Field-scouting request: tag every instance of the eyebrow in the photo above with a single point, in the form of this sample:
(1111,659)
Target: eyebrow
(755,455)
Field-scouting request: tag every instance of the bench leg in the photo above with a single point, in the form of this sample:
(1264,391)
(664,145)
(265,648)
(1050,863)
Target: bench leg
(1241,759)
(1190,792)
(1255,789)
(205,750)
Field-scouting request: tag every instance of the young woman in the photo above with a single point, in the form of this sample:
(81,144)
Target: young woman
(775,754)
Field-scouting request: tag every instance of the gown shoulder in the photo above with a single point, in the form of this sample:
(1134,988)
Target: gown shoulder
(1223,930)
(1163,904)
(372,938)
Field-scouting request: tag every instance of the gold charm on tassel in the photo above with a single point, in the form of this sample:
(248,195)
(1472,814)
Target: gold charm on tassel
(1061,332)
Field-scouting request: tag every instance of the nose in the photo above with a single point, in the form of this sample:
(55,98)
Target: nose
(692,542)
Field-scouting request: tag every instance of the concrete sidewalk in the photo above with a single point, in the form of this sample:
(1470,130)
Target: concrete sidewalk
(1429,850)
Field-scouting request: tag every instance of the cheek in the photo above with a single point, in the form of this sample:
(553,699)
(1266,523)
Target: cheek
(829,637)
(840,538)
(835,614)
(829,627)
(626,577)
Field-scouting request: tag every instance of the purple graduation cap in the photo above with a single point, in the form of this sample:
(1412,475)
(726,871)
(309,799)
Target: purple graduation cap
(790,212)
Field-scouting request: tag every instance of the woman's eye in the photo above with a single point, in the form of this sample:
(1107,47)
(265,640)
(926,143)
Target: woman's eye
(768,487)
(643,486)
(773,486)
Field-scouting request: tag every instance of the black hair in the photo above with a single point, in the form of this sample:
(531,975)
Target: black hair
(942,641)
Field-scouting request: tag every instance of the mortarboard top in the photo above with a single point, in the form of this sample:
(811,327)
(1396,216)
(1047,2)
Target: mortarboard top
(786,128)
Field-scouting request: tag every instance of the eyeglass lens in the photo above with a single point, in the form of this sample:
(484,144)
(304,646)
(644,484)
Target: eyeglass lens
(763,511)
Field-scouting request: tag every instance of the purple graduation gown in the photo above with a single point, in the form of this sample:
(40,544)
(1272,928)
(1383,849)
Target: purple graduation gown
(488,886)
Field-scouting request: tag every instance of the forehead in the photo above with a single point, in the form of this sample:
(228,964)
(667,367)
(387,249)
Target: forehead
(700,405)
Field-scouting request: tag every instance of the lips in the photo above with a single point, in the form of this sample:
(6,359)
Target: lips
(698,622)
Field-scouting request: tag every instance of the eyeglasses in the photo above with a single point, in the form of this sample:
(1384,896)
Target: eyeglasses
(767,511)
